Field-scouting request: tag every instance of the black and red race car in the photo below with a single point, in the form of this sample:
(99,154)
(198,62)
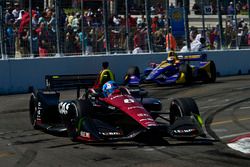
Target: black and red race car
(120,116)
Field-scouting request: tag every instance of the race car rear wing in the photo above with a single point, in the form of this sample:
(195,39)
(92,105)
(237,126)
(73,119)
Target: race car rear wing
(63,82)
(194,57)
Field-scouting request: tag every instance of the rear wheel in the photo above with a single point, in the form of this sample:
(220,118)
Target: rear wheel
(212,79)
(181,107)
(33,109)
(78,110)
(132,71)
(187,70)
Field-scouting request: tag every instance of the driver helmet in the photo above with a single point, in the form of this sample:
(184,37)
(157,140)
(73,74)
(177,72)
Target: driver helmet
(109,87)
(170,60)
(171,57)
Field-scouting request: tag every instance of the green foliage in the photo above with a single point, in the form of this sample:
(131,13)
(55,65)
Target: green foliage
(70,10)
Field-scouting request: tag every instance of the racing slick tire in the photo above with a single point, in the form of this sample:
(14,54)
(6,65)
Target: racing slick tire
(187,70)
(77,111)
(208,75)
(212,79)
(180,107)
(33,109)
(133,70)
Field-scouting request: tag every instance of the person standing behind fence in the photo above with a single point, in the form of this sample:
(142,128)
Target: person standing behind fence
(10,39)
(104,76)
(170,41)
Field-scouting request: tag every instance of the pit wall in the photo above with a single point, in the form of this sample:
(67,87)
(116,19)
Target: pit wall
(18,75)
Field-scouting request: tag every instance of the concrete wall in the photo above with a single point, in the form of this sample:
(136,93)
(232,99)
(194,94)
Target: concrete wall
(17,75)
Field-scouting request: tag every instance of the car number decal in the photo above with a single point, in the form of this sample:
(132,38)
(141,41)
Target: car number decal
(128,101)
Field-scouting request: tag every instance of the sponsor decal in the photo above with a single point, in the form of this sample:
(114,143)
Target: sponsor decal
(135,107)
(241,144)
(110,133)
(143,115)
(146,119)
(152,124)
(111,107)
(128,101)
(114,97)
(39,108)
(179,131)
(85,134)
(63,108)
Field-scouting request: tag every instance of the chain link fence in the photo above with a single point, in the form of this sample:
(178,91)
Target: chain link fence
(80,27)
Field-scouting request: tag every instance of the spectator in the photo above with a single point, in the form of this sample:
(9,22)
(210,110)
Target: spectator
(70,17)
(23,38)
(158,41)
(161,22)
(196,8)
(170,41)
(70,46)
(35,43)
(42,19)
(8,16)
(89,42)
(43,40)
(76,22)
(10,39)
(100,40)
(16,10)
(141,21)
(35,20)
(230,9)
(104,75)
(137,39)
(154,25)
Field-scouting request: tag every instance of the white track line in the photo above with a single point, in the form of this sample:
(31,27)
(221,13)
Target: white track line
(234,135)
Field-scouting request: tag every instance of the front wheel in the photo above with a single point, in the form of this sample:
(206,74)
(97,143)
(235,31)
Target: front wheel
(181,107)
(77,111)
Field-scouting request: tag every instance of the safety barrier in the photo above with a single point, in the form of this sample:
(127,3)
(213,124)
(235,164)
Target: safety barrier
(18,75)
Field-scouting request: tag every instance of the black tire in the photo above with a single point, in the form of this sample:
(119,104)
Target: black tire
(132,71)
(212,79)
(78,110)
(33,107)
(187,70)
(180,107)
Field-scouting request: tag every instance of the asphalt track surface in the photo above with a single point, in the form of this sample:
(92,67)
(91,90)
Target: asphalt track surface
(224,107)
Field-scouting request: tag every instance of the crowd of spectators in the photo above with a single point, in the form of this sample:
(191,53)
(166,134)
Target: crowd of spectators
(227,9)
(85,33)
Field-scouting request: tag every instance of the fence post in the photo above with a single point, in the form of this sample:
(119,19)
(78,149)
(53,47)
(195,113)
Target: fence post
(1,31)
(248,4)
(236,26)
(203,19)
(127,26)
(186,24)
(106,34)
(82,29)
(168,21)
(30,29)
(220,24)
(149,30)
(57,30)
